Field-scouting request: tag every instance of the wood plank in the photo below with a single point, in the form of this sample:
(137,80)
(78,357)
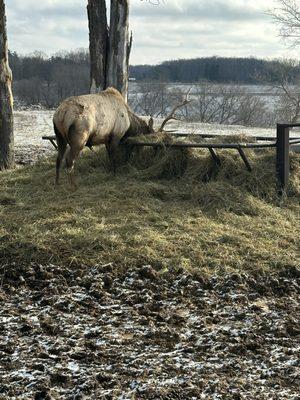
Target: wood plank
(203,145)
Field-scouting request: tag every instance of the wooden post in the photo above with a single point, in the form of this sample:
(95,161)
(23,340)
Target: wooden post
(6,99)
(119,46)
(215,157)
(98,44)
(282,157)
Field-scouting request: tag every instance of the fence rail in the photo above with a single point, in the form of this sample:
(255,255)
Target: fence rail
(203,145)
(211,136)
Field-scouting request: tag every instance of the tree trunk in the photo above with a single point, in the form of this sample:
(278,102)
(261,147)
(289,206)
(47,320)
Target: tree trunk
(98,44)
(6,99)
(119,46)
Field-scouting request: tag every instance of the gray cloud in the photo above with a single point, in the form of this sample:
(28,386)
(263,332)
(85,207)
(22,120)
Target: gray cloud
(175,29)
(202,10)
(47,10)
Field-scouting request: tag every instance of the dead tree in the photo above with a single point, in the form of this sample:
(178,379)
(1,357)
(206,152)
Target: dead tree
(6,99)
(119,46)
(99,43)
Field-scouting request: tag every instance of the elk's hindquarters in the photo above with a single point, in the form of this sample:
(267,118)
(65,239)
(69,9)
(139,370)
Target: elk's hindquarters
(76,140)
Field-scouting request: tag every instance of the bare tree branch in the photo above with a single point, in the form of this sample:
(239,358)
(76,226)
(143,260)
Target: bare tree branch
(287,16)
(171,116)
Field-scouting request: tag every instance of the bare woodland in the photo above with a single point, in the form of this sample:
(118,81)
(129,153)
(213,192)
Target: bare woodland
(222,104)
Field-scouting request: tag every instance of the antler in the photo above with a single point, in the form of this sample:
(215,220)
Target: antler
(172,114)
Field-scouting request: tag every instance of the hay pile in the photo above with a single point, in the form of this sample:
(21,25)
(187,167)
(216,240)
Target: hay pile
(169,207)
(197,166)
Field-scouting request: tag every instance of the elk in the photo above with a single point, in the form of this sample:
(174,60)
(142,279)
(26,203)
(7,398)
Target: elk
(94,119)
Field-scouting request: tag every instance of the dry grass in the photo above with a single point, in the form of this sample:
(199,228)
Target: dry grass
(172,208)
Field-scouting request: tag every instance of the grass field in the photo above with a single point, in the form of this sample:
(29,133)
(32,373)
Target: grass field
(172,209)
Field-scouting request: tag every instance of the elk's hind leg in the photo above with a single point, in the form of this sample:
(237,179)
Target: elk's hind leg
(61,145)
(77,141)
(72,155)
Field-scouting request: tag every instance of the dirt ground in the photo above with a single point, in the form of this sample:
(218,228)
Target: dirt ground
(82,333)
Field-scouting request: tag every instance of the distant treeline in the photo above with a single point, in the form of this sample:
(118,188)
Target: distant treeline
(39,79)
(39,65)
(213,69)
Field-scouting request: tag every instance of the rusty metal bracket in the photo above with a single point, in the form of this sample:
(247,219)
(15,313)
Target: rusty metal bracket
(54,143)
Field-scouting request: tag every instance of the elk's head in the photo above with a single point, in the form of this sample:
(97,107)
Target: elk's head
(138,126)
(149,127)
(146,128)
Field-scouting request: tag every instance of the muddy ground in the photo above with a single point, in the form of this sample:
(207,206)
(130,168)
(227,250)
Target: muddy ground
(82,333)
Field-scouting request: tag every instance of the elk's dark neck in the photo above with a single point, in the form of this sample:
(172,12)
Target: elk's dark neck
(137,125)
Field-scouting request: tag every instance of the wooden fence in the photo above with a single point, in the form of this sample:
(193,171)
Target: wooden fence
(281,142)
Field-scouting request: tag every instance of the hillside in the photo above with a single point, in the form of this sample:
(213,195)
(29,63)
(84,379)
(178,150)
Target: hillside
(215,69)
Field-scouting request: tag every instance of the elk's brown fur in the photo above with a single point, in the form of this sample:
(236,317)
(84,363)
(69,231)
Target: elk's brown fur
(91,120)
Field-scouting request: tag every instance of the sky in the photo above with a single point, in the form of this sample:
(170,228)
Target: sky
(174,29)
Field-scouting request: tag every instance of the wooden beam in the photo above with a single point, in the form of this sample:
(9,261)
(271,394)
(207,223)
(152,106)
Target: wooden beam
(245,159)
(202,145)
(215,156)
(210,136)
